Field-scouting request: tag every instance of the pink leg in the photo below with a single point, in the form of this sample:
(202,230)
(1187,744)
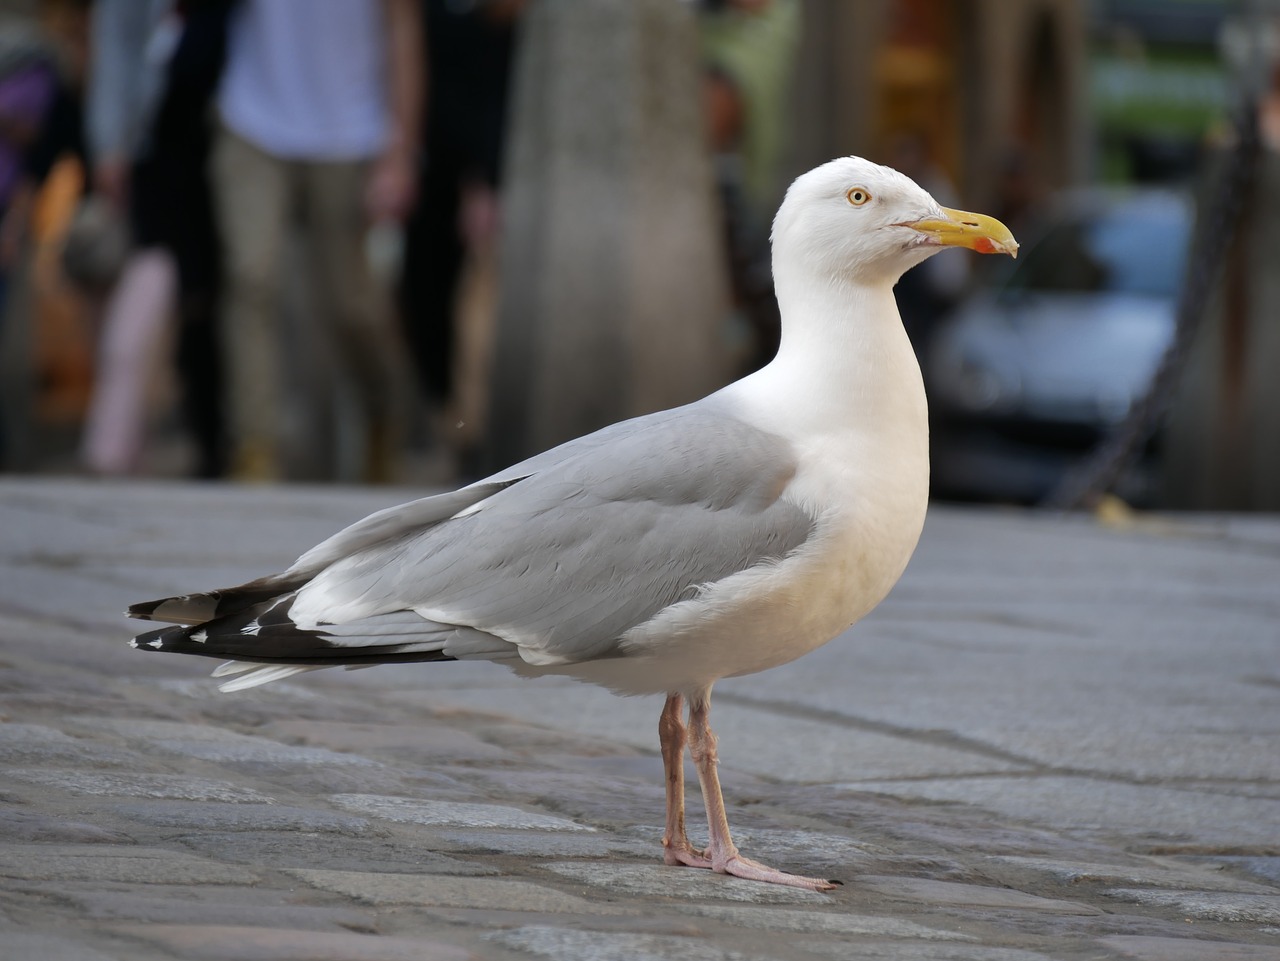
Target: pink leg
(676,848)
(722,853)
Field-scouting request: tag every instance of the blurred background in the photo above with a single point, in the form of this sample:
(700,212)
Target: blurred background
(411,241)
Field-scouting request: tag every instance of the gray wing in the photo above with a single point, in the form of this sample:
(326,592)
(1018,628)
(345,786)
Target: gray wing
(382,527)
(391,524)
(603,534)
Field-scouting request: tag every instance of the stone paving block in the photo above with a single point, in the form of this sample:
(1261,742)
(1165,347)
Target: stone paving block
(1150,873)
(913,951)
(764,742)
(452,813)
(1187,949)
(304,849)
(453,892)
(321,780)
(199,905)
(31,590)
(417,684)
(258,751)
(32,945)
(684,883)
(953,894)
(574,793)
(279,700)
(68,752)
(780,746)
(37,734)
(219,943)
(433,739)
(819,922)
(1264,867)
(54,682)
(205,689)
(171,786)
(100,862)
(569,944)
(1208,905)
(211,743)
(216,816)
(1146,810)
(35,528)
(544,706)
(546,844)
(1125,635)
(27,826)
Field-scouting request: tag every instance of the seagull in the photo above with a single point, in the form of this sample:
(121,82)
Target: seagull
(663,553)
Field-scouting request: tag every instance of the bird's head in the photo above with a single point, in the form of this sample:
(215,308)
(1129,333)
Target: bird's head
(851,218)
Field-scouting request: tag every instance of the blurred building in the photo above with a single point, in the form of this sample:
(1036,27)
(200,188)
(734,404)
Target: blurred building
(1158,85)
(985,83)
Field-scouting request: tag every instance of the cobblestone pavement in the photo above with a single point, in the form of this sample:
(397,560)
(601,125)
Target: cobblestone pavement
(1055,740)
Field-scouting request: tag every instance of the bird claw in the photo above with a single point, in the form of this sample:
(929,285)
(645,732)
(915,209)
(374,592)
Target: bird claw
(740,867)
(684,853)
(677,854)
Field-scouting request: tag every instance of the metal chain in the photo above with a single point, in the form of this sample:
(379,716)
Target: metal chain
(1216,227)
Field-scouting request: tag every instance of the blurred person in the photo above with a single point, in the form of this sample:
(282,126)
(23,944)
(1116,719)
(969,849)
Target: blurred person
(42,68)
(469,53)
(28,85)
(46,370)
(154,68)
(319,107)
(749,49)
(58,134)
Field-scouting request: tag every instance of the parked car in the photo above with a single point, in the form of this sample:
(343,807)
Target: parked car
(1041,363)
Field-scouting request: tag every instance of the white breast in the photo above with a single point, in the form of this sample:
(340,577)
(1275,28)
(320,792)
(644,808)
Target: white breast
(853,407)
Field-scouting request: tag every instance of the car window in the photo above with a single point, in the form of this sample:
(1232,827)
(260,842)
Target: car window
(1122,251)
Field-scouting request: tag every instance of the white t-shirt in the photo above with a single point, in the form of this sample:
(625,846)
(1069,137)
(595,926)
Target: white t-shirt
(306,79)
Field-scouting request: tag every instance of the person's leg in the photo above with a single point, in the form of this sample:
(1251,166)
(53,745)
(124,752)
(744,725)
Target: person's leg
(359,306)
(185,225)
(199,363)
(252,194)
(428,289)
(133,336)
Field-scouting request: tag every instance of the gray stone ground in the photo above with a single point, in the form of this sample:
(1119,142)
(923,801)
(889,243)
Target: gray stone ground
(1055,740)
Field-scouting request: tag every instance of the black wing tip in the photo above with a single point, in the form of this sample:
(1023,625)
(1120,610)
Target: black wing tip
(157,640)
(192,609)
(266,633)
(145,610)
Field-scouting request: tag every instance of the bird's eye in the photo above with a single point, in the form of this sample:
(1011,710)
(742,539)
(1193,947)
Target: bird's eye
(858,196)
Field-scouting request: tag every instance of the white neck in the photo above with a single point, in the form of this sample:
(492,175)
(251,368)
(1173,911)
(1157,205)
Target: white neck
(845,362)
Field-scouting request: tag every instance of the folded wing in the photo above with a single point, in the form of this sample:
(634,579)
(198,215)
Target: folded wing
(552,561)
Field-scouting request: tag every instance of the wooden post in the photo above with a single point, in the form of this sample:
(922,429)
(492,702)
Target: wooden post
(614,294)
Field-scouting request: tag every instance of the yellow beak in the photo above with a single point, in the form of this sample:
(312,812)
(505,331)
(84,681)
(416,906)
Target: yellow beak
(959,228)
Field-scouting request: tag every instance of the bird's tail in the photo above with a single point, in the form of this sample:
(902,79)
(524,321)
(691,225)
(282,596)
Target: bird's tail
(262,643)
